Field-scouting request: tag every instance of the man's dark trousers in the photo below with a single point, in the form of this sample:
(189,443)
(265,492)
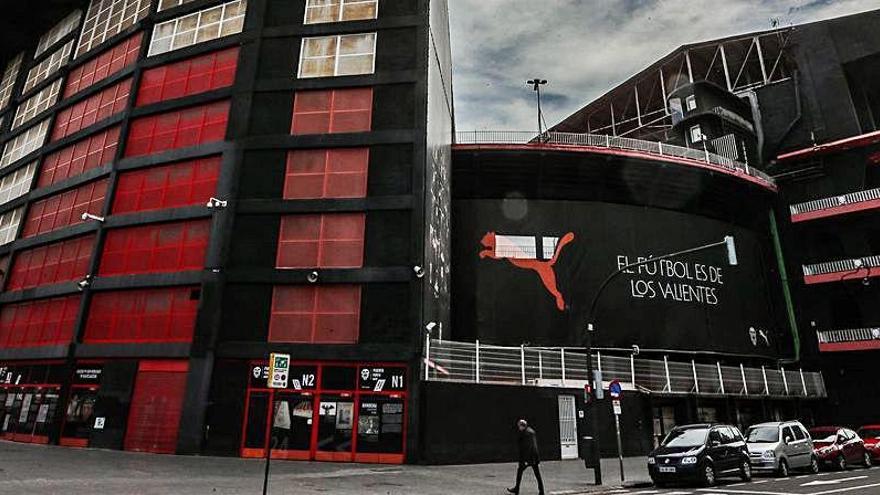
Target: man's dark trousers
(537,469)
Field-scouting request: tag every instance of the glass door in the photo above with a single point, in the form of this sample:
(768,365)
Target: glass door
(78,416)
(380,429)
(292,425)
(254,437)
(44,414)
(336,419)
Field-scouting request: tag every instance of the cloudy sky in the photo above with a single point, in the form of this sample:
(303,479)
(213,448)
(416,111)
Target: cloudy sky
(585,47)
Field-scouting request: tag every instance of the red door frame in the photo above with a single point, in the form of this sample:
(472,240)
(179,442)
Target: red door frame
(313,453)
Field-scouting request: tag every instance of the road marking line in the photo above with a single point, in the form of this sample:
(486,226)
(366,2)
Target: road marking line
(760,481)
(833,481)
(752,492)
(847,489)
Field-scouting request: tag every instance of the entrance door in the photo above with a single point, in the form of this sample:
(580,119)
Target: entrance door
(292,425)
(157,402)
(336,420)
(567,427)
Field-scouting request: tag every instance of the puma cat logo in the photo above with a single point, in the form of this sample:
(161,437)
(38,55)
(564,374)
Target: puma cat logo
(521,252)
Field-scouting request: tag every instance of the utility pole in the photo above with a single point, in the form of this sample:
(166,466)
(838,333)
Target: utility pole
(536,87)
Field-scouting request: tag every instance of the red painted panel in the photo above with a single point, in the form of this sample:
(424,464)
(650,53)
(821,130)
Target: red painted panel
(91,110)
(332,111)
(331,240)
(91,152)
(188,77)
(315,315)
(156,248)
(104,65)
(154,416)
(178,129)
(862,345)
(186,183)
(842,276)
(40,322)
(142,315)
(327,173)
(65,208)
(51,263)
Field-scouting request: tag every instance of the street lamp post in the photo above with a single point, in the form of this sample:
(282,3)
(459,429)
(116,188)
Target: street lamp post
(536,86)
(730,246)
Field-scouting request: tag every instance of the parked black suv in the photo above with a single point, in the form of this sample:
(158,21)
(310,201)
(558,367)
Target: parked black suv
(700,453)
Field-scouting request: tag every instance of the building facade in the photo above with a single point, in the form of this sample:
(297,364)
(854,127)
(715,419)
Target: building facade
(194,184)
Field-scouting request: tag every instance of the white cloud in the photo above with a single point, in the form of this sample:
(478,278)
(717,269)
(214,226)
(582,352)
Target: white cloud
(584,48)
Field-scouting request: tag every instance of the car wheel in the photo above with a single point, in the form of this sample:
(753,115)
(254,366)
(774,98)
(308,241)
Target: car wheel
(783,469)
(840,464)
(745,471)
(708,475)
(866,460)
(814,465)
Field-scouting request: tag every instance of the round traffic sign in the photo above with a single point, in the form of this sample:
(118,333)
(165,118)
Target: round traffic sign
(614,389)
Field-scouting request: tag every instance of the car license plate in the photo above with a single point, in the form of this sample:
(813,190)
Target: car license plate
(667,469)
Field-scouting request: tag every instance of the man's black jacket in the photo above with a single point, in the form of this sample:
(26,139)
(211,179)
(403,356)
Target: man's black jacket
(528,446)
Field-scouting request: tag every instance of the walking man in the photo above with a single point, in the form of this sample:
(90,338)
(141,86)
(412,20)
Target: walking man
(528,455)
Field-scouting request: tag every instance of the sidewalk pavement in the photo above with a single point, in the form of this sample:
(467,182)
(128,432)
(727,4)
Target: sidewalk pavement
(48,469)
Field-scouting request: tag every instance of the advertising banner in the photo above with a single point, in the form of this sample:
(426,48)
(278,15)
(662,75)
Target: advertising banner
(527,270)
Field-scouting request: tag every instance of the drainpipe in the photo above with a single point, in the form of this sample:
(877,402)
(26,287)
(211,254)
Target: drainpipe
(786,291)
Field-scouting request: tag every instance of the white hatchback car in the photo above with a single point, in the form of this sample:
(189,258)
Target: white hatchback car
(779,447)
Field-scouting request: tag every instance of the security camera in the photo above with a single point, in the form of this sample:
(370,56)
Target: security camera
(89,216)
(216,203)
(84,283)
(419,271)
(431,326)
(312,277)
(635,350)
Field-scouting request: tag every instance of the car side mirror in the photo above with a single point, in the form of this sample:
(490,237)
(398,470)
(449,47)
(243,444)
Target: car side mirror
(714,443)
(787,440)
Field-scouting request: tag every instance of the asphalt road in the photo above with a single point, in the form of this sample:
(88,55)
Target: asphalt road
(854,481)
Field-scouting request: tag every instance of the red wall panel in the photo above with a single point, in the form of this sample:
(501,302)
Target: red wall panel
(51,263)
(156,405)
(91,110)
(315,314)
(156,248)
(332,111)
(186,183)
(91,152)
(327,173)
(104,65)
(178,129)
(142,315)
(41,322)
(331,240)
(188,77)
(65,208)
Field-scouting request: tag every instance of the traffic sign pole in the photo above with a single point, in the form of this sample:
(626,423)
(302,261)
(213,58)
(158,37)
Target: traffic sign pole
(279,370)
(615,390)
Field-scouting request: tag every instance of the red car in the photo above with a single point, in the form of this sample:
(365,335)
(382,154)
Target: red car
(871,435)
(839,447)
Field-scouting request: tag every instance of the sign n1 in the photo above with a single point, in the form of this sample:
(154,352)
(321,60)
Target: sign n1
(279,369)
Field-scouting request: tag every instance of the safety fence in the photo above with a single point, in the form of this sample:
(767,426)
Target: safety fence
(611,142)
(848,335)
(853,266)
(473,362)
(835,201)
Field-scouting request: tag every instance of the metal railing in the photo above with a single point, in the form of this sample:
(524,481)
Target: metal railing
(848,335)
(851,265)
(567,368)
(835,201)
(657,148)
